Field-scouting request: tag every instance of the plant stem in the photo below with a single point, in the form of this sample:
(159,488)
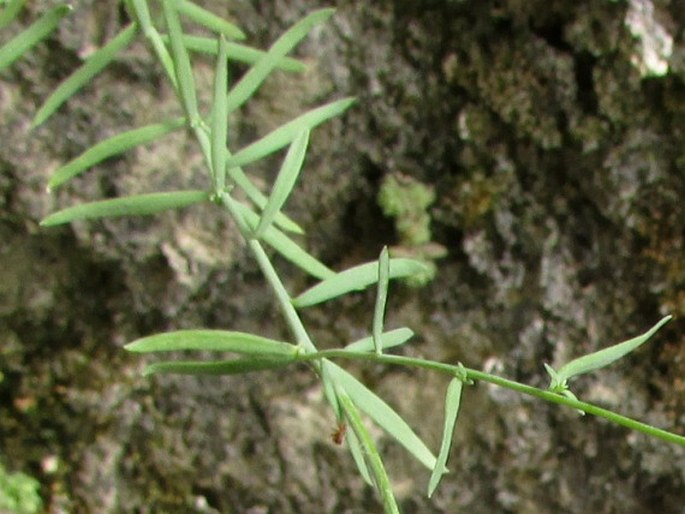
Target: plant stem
(472,374)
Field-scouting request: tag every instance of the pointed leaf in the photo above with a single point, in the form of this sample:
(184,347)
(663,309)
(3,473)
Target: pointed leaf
(287,247)
(139,205)
(111,147)
(256,75)
(389,339)
(209,20)
(10,12)
(452,402)
(228,367)
(39,30)
(237,52)
(355,279)
(384,416)
(220,118)
(604,357)
(381,299)
(85,73)
(257,197)
(358,456)
(179,53)
(285,181)
(213,341)
(287,132)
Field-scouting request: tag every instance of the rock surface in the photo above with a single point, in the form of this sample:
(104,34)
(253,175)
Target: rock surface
(552,138)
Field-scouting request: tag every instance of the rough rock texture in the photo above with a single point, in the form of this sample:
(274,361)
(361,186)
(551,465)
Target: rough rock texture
(558,169)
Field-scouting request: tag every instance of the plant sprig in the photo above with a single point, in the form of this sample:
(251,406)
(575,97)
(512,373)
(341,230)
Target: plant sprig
(261,221)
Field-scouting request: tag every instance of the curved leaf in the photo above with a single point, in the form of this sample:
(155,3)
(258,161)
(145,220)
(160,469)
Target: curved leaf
(113,146)
(356,279)
(381,299)
(452,402)
(139,205)
(389,339)
(220,118)
(85,73)
(209,20)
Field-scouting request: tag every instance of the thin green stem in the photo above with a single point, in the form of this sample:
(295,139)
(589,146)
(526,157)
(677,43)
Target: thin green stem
(473,374)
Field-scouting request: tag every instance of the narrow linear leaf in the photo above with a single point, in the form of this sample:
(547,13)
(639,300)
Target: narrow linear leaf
(286,133)
(142,14)
(179,53)
(389,339)
(604,357)
(381,299)
(139,205)
(10,12)
(452,402)
(356,279)
(287,247)
(238,52)
(256,75)
(384,416)
(370,453)
(358,456)
(220,118)
(209,20)
(228,367)
(113,146)
(257,197)
(285,181)
(213,341)
(85,73)
(39,30)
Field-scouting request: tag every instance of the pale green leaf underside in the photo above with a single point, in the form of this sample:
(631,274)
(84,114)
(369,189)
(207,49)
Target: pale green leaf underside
(384,416)
(213,341)
(181,60)
(219,120)
(139,205)
(381,298)
(602,358)
(112,146)
(356,279)
(209,20)
(85,73)
(227,367)
(389,339)
(452,402)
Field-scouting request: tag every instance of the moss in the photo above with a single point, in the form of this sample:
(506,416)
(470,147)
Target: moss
(407,201)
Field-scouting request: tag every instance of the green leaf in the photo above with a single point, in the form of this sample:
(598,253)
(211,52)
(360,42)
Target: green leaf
(10,12)
(238,52)
(384,416)
(257,197)
(22,42)
(209,20)
(285,181)
(256,75)
(602,358)
(452,402)
(286,246)
(389,339)
(381,299)
(228,367)
(286,133)
(213,341)
(220,118)
(85,73)
(357,452)
(179,53)
(113,146)
(139,205)
(142,13)
(355,279)
(370,453)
